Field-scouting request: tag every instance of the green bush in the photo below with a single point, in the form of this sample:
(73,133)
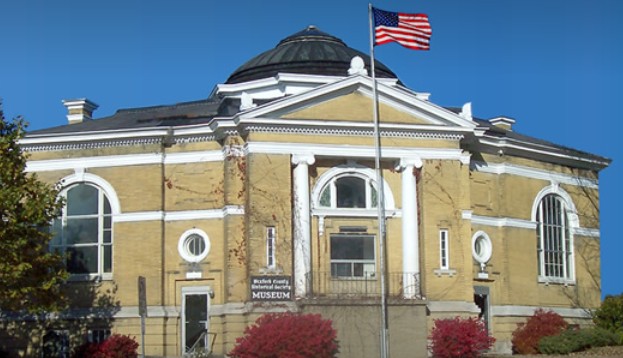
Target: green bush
(577,340)
(610,315)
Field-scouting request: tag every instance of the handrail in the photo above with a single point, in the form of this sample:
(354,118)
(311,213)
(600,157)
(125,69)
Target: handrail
(202,336)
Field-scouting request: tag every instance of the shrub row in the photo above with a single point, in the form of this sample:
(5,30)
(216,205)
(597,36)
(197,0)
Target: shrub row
(577,340)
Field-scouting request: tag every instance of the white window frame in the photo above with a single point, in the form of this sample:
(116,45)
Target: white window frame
(350,169)
(551,236)
(572,223)
(184,241)
(271,242)
(487,248)
(444,249)
(63,246)
(195,290)
(366,262)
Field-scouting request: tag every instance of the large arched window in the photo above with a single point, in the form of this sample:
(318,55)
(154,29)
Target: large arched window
(554,239)
(83,231)
(349,191)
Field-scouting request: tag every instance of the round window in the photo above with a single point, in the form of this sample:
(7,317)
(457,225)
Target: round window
(194,245)
(481,247)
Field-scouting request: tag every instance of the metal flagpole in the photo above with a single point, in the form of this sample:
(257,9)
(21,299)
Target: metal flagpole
(381,199)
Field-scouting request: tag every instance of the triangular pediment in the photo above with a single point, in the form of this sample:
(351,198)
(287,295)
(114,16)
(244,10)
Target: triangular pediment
(355,107)
(351,100)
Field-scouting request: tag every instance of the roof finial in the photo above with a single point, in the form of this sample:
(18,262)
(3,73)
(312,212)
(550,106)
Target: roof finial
(357,67)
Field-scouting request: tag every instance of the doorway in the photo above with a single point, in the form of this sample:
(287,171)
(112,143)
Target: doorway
(195,319)
(481,299)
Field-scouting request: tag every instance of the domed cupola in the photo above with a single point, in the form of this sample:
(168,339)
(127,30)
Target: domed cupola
(310,51)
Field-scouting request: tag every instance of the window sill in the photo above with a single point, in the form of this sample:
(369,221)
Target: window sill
(90,278)
(556,281)
(445,272)
(271,270)
(354,278)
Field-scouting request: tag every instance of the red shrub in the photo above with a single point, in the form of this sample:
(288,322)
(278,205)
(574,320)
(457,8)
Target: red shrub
(288,335)
(116,346)
(459,337)
(542,324)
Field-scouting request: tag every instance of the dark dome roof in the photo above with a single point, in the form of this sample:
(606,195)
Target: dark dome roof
(310,51)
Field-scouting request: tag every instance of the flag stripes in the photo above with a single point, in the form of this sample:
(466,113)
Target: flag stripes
(409,30)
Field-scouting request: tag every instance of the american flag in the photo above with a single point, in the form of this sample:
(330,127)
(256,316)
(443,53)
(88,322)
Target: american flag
(410,30)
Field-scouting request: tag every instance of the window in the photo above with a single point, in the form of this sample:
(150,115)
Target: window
(444,253)
(271,237)
(194,245)
(349,191)
(352,255)
(83,231)
(554,241)
(482,248)
(56,344)
(98,335)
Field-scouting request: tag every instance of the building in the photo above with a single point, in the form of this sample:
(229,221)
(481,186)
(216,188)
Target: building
(263,198)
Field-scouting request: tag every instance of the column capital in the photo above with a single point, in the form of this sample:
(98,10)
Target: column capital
(409,162)
(308,159)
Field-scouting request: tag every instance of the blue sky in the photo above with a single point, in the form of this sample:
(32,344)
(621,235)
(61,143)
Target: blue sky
(556,66)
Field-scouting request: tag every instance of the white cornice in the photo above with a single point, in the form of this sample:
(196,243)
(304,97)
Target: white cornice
(93,136)
(333,150)
(124,160)
(532,150)
(504,168)
(328,150)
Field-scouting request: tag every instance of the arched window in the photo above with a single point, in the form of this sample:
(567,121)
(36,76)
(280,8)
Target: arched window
(83,231)
(349,191)
(554,239)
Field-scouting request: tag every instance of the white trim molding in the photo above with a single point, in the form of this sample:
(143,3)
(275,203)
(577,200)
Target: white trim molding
(521,224)
(498,221)
(527,311)
(505,168)
(353,151)
(452,306)
(124,160)
(179,215)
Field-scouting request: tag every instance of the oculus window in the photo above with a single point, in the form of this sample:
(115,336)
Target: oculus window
(83,231)
(194,245)
(482,248)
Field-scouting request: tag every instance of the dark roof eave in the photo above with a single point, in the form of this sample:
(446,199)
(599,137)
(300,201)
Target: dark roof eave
(549,153)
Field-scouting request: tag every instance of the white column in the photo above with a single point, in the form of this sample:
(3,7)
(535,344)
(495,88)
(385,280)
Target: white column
(302,231)
(410,237)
